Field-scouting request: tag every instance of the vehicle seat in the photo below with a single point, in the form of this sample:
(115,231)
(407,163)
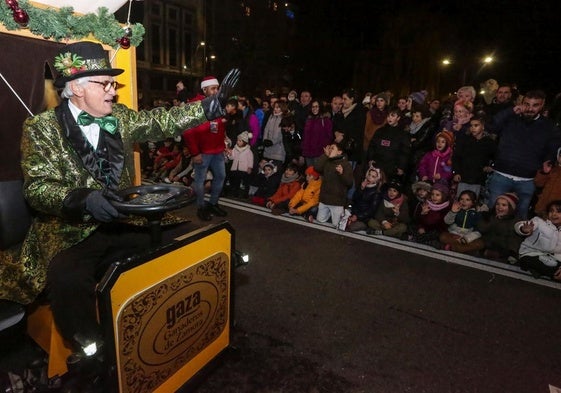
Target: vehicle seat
(15,219)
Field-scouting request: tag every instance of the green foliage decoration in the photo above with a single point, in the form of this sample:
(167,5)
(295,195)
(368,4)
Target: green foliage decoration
(62,24)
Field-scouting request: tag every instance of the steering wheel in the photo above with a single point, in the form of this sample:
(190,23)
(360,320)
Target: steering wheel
(152,201)
(148,200)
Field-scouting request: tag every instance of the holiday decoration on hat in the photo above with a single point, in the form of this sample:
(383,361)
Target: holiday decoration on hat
(311,171)
(420,185)
(447,136)
(443,188)
(209,81)
(419,97)
(511,198)
(81,59)
(245,136)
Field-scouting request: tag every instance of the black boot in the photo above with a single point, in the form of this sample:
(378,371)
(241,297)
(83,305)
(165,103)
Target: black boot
(217,210)
(203,214)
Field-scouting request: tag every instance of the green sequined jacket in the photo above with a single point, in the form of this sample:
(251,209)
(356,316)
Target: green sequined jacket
(55,163)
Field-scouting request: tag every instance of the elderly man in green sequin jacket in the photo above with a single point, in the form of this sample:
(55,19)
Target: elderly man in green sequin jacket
(73,157)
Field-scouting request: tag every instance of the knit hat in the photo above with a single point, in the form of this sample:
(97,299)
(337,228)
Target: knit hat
(448,137)
(420,185)
(511,198)
(443,188)
(311,171)
(245,136)
(419,96)
(396,184)
(209,81)
(383,96)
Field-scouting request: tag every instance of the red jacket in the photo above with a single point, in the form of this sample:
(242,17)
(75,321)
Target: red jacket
(285,192)
(201,140)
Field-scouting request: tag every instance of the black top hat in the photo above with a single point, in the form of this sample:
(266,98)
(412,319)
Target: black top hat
(81,59)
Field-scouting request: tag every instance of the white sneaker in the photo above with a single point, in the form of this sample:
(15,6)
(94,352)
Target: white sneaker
(548,260)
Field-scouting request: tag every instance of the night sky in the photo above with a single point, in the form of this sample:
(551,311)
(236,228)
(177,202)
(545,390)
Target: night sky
(413,36)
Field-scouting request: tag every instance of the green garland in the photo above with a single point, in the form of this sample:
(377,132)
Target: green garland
(62,24)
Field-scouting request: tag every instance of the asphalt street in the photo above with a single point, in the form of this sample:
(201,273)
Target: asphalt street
(318,310)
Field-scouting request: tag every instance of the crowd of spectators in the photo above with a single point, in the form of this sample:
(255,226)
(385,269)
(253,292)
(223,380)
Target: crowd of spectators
(477,174)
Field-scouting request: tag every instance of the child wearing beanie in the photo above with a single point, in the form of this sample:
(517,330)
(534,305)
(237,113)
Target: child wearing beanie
(540,252)
(501,243)
(429,221)
(392,215)
(242,164)
(462,218)
(436,165)
(306,199)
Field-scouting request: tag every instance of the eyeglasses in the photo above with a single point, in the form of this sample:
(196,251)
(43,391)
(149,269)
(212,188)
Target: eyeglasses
(107,85)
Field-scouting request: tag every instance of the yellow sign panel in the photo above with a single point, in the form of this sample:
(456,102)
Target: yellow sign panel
(172,315)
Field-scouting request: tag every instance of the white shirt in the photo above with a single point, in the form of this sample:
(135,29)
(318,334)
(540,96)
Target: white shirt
(91,132)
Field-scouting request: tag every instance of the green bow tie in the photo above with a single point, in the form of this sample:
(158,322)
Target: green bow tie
(107,123)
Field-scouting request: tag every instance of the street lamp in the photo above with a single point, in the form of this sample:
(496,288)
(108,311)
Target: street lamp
(466,65)
(201,44)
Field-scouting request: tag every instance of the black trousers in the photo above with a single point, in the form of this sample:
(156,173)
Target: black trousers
(73,274)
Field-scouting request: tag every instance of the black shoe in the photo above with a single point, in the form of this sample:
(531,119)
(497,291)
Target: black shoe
(217,210)
(204,214)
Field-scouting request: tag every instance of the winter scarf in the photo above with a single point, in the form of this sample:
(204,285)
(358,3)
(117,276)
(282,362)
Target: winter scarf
(438,206)
(289,179)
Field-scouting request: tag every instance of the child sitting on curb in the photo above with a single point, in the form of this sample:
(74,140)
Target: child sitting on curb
(289,186)
(392,215)
(366,199)
(540,252)
(429,221)
(266,183)
(462,218)
(306,199)
(497,230)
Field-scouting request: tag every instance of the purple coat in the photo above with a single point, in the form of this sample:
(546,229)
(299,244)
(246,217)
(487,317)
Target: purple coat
(318,133)
(435,162)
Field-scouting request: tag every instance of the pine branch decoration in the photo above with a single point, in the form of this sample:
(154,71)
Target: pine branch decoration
(62,24)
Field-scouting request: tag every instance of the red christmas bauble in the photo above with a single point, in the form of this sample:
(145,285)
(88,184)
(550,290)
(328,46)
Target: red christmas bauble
(13,4)
(125,43)
(21,17)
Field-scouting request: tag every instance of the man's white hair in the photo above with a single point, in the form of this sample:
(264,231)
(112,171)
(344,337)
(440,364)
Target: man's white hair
(67,91)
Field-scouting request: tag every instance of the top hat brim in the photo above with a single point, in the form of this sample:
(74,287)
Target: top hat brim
(61,81)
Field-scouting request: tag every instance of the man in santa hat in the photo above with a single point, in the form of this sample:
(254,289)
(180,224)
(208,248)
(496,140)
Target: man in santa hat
(206,143)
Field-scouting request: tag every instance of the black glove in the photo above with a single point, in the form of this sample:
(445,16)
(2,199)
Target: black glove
(267,142)
(213,106)
(100,208)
